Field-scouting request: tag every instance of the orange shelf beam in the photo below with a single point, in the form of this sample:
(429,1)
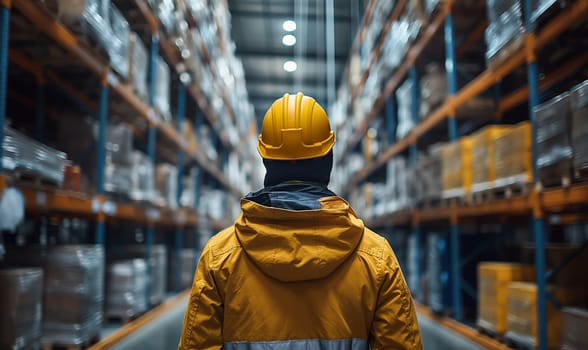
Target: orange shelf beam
(367,16)
(61,35)
(484,81)
(394,15)
(41,201)
(461,329)
(394,81)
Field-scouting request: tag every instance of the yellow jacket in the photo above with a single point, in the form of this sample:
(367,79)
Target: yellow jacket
(299,279)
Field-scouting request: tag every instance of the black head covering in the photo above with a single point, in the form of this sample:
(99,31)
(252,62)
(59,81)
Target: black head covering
(309,170)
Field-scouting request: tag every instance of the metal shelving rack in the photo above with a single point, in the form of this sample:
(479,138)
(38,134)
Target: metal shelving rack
(538,204)
(98,207)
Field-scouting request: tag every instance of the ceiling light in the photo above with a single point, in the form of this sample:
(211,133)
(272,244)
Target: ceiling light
(289,40)
(290,66)
(289,26)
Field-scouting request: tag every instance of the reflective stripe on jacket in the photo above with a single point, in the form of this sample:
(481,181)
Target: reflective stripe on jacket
(299,279)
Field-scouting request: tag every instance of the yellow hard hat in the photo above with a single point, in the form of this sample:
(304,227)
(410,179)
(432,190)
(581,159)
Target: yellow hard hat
(295,127)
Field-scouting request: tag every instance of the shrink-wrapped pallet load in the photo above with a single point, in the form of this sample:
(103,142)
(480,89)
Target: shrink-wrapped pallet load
(166,185)
(126,289)
(512,156)
(579,105)
(73,294)
(554,144)
(21,298)
(157,266)
(504,34)
(184,273)
(24,154)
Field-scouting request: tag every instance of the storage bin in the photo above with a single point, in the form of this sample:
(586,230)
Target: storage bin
(483,156)
(522,324)
(512,158)
(493,280)
(456,168)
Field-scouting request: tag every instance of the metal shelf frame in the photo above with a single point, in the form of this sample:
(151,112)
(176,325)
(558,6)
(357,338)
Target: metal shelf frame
(536,204)
(97,206)
(96,65)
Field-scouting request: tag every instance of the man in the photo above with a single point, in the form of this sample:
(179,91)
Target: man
(298,269)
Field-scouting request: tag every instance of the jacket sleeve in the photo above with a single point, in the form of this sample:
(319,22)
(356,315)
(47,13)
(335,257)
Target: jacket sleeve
(395,323)
(202,329)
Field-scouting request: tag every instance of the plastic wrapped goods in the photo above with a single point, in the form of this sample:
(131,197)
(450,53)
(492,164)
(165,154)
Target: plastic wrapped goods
(456,167)
(162,89)
(512,156)
(554,148)
(74,293)
(438,274)
(405,120)
(574,323)
(522,320)
(505,27)
(138,61)
(142,178)
(433,89)
(493,280)
(25,154)
(579,104)
(426,178)
(539,7)
(126,289)
(21,302)
(483,156)
(118,43)
(188,261)
(88,18)
(157,271)
(166,185)
(119,144)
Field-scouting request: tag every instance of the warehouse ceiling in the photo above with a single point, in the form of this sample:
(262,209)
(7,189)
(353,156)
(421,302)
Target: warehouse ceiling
(257,29)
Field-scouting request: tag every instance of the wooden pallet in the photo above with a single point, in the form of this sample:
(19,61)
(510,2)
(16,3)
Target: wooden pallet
(51,345)
(497,193)
(30,178)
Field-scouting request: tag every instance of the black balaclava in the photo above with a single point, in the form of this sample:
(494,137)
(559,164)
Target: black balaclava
(309,170)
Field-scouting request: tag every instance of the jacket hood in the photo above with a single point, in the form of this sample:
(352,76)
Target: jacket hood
(297,245)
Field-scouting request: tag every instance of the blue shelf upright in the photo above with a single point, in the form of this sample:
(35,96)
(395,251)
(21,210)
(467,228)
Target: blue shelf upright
(416,231)
(4,38)
(179,235)
(450,68)
(538,228)
(101,155)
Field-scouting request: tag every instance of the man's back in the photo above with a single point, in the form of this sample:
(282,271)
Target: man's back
(299,271)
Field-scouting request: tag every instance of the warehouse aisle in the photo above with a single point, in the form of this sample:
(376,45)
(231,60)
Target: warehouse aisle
(435,337)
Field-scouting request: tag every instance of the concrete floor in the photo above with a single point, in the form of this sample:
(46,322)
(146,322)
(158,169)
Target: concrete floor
(164,334)
(436,337)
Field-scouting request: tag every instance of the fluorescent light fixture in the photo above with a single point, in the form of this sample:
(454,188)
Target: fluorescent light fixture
(289,40)
(290,66)
(289,26)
